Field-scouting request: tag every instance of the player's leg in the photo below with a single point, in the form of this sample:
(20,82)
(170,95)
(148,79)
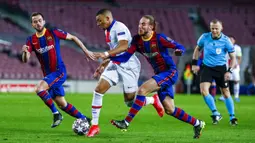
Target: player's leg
(236,79)
(58,96)
(158,81)
(146,88)
(206,79)
(108,78)
(224,87)
(41,90)
(54,80)
(130,86)
(178,113)
(213,89)
(229,104)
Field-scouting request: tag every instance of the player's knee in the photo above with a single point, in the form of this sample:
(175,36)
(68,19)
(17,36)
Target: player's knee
(39,88)
(204,91)
(169,111)
(142,91)
(100,89)
(226,92)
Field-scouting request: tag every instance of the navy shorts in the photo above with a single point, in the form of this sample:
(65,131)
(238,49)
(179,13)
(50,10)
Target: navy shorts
(166,80)
(55,81)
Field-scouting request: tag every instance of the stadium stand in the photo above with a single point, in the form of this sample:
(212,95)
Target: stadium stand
(78,17)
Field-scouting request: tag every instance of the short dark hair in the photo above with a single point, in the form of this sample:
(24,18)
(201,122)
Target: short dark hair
(103,11)
(35,14)
(214,21)
(152,21)
(231,36)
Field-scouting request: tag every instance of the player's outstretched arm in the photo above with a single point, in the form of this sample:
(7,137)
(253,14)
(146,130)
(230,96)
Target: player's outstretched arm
(25,53)
(81,45)
(122,46)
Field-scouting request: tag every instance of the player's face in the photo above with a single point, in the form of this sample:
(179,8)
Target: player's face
(144,26)
(103,21)
(216,29)
(38,23)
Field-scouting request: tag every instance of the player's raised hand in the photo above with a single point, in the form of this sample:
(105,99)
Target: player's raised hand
(101,56)
(195,69)
(90,55)
(25,48)
(178,52)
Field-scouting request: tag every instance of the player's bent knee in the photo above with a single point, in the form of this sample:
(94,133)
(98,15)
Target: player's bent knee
(226,92)
(101,89)
(169,111)
(204,91)
(39,88)
(142,91)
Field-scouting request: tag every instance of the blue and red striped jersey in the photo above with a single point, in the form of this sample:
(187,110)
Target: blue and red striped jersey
(47,49)
(155,49)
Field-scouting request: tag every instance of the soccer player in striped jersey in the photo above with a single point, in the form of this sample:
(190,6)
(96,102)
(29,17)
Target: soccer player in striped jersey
(154,47)
(46,45)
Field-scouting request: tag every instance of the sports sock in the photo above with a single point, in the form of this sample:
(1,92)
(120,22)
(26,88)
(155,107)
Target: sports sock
(45,96)
(71,110)
(183,116)
(211,104)
(96,107)
(138,104)
(230,106)
(236,90)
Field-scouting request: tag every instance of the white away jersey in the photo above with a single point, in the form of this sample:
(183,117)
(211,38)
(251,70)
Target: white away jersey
(113,34)
(238,53)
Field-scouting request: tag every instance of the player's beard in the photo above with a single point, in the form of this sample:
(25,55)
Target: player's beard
(39,30)
(144,33)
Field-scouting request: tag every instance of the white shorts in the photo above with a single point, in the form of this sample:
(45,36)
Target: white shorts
(113,73)
(235,75)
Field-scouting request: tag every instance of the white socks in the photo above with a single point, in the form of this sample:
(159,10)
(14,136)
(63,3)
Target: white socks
(96,107)
(236,90)
(149,100)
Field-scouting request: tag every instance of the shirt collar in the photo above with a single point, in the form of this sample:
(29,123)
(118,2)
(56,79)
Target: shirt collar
(109,28)
(216,38)
(40,35)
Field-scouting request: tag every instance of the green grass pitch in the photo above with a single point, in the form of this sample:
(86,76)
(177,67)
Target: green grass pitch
(25,119)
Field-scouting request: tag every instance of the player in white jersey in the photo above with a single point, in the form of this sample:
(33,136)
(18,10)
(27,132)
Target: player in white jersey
(236,71)
(235,77)
(118,38)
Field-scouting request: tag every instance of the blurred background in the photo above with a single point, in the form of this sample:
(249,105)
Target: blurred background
(182,20)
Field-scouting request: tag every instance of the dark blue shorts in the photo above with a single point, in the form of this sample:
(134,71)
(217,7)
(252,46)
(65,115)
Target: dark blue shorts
(55,81)
(166,80)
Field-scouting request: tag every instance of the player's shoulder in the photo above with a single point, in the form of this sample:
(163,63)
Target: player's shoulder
(206,35)
(29,38)
(120,25)
(237,47)
(136,37)
(224,37)
(53,29)
(162,35)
